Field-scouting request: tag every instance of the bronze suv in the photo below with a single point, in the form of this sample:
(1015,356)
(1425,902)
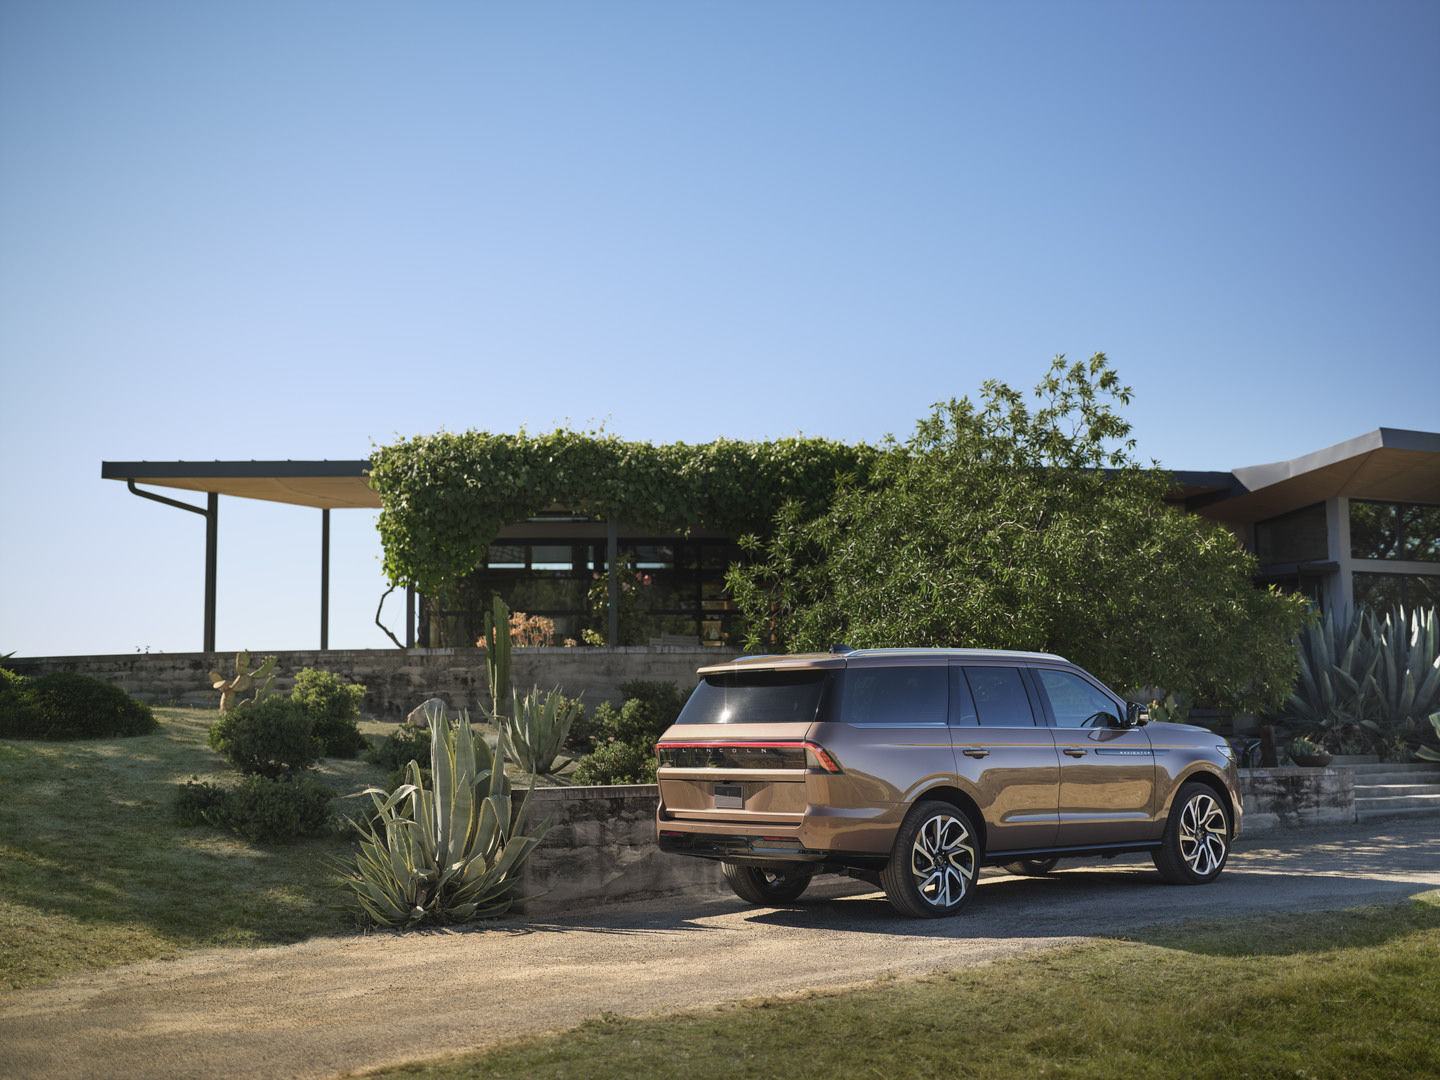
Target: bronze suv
(912,768)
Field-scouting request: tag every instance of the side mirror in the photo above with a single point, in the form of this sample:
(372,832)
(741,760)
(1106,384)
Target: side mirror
(1136,714)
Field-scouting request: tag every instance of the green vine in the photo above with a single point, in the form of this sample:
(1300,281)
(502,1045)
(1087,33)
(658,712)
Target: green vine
(445,497)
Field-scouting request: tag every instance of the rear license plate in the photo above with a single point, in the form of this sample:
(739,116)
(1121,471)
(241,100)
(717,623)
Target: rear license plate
(729,797)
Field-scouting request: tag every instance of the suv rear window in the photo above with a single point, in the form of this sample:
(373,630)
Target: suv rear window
(755,697)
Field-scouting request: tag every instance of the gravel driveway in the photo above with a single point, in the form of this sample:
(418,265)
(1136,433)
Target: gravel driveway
(338,1005)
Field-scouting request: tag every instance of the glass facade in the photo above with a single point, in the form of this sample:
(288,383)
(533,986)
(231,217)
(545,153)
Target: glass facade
(1383,532)
(1406,532)
(1382,590)
(670,588)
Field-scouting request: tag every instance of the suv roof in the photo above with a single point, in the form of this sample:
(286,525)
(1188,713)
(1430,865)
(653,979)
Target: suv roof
(839,659)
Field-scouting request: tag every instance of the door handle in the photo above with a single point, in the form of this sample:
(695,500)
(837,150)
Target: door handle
(975,751)
(1075,751)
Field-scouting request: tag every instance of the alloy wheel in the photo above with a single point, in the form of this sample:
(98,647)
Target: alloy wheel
(1203,834)
(942,860)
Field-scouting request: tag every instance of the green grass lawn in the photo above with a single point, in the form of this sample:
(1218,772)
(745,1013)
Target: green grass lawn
(1348,995)
(94,871)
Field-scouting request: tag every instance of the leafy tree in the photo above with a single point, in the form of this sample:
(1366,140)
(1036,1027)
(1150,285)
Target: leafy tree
(999,526)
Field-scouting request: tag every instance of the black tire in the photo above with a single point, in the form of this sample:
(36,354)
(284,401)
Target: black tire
(766,886)
(934,863)
(1197,837)
(1030,867)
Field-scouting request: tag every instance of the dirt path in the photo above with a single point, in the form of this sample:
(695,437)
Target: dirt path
(327,1007)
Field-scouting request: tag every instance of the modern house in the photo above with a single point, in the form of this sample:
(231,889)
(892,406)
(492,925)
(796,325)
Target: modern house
(1357,521)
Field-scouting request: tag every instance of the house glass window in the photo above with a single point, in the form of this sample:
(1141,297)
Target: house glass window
(1406,532)
(1384,590)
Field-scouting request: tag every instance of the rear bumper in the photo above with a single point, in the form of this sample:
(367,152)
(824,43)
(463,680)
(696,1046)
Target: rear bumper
(735,848)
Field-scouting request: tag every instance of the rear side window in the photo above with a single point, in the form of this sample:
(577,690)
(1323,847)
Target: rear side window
(1000,698)
(894,695)
(755,697)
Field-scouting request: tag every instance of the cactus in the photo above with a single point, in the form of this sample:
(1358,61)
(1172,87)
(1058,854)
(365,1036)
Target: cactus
(262,679)
(497,657)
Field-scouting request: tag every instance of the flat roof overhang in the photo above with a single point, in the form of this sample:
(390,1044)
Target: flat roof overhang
(1388,464)
(326,485)
(323,485)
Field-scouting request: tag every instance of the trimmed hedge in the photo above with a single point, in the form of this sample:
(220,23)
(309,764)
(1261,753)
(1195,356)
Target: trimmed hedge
(272,738)
(67,705)
(268,810)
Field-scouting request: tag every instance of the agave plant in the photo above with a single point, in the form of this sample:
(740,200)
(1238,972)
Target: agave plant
(446,854)
(537,728)
(1331,700)
(1404,683)
(1426,752)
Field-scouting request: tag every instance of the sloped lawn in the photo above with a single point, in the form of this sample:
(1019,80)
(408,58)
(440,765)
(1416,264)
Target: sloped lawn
(94,870)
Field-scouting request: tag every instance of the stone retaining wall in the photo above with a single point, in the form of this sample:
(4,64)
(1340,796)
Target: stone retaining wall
(600,850)
(601,845)
(1292,797)
(396,680)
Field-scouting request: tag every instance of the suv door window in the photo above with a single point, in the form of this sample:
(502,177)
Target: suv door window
(962,708)
(1000,698)
(894,695)
(1074,703)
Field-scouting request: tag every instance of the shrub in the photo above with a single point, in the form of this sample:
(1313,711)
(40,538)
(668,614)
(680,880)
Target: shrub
(333,706)
(445,854)
(18,715)
(68,705)
(650,708)
(616,763)
(193,798)
(271,738)
(405,744)
(625,738)
(267,810)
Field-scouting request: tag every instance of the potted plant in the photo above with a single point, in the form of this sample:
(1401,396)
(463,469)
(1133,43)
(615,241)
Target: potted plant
(1309,754)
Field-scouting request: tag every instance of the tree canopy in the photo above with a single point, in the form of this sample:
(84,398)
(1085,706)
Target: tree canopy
(999,526)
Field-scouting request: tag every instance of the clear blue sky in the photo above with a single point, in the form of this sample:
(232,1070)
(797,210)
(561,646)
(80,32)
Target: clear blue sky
(291,229)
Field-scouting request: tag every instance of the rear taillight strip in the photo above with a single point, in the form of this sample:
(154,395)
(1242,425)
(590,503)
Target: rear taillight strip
(821,756)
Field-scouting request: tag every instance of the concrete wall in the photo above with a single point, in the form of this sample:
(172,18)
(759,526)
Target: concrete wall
(396,680)
(1293,797)
(600,850)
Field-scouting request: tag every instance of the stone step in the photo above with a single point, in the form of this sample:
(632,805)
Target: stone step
(1395,766)
(1397,774)
(1379,791)
(1407,805)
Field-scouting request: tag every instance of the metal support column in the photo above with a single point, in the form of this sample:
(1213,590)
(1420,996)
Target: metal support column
(212,558)
(410,616)
(612,559)
(324,578)
(211,514)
